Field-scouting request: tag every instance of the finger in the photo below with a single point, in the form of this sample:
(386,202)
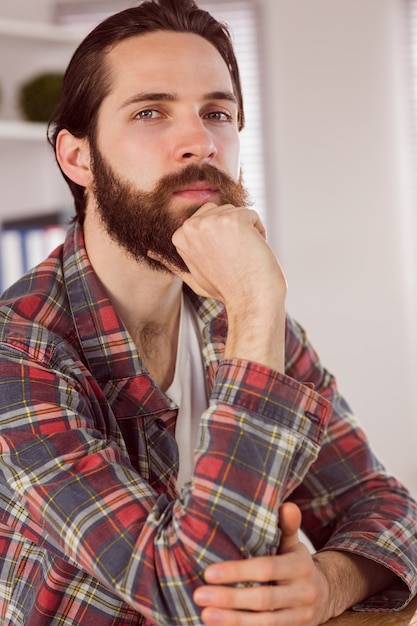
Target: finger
(289,523)
(256,221)
(163,261)
(258,569)
(258,224)
(251,214)
(298,616)
(256,598)
(186,277)
(281,569)
(208,206)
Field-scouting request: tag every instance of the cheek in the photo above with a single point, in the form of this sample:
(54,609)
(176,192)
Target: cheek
(231,156)
(135,164)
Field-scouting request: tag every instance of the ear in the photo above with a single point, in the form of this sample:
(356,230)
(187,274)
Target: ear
(73,155)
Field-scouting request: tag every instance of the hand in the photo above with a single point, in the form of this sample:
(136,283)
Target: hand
(298,594)
(228,258)
(225,250)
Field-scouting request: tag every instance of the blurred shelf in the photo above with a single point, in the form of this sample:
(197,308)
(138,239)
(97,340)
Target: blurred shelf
(38,31)
(23,131)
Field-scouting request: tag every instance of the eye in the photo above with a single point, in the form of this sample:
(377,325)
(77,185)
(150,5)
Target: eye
(148,114)
(219,116)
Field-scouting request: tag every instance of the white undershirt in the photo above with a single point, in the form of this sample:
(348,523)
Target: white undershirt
(188,390)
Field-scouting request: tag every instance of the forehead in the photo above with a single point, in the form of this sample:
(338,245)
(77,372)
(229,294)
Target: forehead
(167,58)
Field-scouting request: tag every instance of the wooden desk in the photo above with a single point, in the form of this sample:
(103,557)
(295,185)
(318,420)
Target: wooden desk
(406,617)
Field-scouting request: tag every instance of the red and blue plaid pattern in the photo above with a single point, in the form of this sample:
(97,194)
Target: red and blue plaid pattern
(92,528)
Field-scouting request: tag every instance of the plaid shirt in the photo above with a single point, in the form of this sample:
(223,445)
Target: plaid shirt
(92,528)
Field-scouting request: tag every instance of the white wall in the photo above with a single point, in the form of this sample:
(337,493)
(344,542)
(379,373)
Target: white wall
(335,109)
(38,10)
(344,222)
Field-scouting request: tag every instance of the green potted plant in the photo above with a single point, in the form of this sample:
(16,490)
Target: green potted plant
(38,96)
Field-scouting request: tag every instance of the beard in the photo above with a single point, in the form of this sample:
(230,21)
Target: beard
(139,220)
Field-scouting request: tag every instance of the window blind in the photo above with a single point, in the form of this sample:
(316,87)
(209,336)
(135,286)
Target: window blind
(241,18)
(413,49)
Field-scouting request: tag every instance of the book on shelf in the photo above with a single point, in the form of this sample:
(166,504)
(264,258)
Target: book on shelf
(25,242)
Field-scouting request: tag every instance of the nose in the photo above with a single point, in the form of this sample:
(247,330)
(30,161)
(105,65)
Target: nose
(195,142)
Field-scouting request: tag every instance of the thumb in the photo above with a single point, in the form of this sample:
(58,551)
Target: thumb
(289,523)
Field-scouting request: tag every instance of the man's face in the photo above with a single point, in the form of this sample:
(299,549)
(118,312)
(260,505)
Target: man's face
(167,140)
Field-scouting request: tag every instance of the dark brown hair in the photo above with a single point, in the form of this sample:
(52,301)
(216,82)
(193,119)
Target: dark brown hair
(87,81)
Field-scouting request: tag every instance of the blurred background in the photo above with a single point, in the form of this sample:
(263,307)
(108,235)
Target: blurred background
(328,156)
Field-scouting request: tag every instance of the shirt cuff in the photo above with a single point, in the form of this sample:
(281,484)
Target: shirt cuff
(272,395)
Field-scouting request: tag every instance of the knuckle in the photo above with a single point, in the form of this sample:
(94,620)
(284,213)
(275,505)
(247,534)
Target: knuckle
(187,227)
(270,569)
(305,568)
(266,601)
(177,237)
(310,594)
(270,619)
(306,615)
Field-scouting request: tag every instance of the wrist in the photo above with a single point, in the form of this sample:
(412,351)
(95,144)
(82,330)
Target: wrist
(351,578)
(257,337)
(331,603)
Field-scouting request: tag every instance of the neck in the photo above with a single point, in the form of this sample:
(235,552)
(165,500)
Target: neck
(148,301)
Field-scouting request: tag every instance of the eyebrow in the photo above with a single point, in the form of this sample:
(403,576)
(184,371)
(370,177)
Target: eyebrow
(170,97)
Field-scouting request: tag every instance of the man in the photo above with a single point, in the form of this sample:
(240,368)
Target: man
(156,339)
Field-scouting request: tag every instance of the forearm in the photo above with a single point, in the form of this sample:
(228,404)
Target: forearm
(349,579)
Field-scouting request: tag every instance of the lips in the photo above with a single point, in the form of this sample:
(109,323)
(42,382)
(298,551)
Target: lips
(200,191)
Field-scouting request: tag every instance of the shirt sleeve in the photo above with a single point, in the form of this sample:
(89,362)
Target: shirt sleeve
(349,501)
(73,491)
